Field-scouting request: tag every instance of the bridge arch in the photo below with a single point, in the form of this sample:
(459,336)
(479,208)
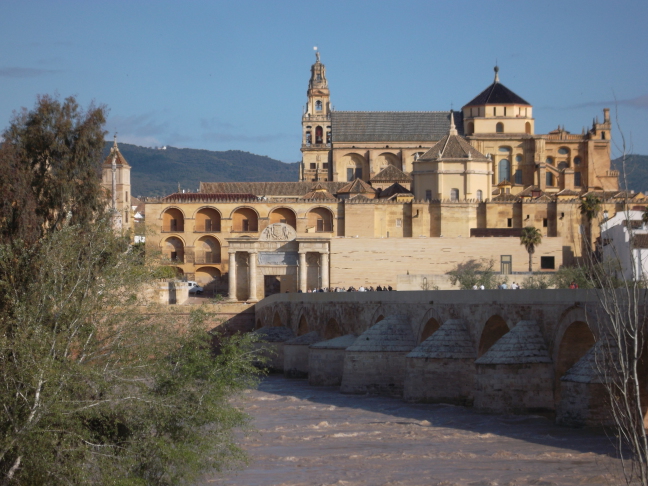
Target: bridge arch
(493,330)
(428,325)
(332,329)
(302,327)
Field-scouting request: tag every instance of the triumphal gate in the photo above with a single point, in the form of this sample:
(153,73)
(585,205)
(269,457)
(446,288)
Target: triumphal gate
(277,261)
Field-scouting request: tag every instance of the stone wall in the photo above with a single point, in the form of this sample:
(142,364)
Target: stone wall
(382,261)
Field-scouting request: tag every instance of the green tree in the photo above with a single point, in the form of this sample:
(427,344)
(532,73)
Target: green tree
(475,272)
(530,238)
(95,387)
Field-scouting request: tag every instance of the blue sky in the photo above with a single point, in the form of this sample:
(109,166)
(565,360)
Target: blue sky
(233,75)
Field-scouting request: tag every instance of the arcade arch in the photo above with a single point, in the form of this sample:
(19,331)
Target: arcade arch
(172,221)
(319,220)
(173,249)
(208,277)
(245,220)
(276,320)
(208,250)
(283,215)
(494,329)
(208,220)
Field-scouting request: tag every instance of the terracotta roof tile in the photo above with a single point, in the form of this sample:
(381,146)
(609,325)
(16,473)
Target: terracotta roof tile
(267,188)
(202,197)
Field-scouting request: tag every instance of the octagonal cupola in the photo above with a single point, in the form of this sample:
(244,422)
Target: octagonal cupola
(498,110)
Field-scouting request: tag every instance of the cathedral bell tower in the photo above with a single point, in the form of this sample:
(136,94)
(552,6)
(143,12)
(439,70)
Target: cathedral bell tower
(316,126)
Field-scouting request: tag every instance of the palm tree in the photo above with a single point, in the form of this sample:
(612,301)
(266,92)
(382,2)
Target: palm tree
(530,238)
(589,207)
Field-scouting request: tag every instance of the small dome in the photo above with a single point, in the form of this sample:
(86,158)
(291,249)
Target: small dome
(451,341)
(394,333)
(341,342)
(310,338)
(274,334)
(522,344)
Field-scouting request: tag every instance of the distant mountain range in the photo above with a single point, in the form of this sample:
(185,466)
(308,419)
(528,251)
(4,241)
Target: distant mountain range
(636,167)
(157,172)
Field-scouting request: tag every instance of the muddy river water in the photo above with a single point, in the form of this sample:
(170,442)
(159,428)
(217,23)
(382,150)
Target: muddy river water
(316,436)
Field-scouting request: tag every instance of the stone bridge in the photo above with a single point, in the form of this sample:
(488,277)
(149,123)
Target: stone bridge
(499,350)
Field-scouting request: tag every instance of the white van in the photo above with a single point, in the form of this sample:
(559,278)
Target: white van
(194,288)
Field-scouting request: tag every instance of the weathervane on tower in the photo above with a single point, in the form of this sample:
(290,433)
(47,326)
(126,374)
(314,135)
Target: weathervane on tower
(317,54)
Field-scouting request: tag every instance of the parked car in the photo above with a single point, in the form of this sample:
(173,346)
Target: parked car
(194,288)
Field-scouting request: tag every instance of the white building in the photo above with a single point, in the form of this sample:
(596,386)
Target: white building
(624,238)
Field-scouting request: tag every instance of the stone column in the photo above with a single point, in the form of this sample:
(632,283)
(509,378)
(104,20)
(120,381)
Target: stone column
(252,279)
(232,276)
(324,269)
(302,271)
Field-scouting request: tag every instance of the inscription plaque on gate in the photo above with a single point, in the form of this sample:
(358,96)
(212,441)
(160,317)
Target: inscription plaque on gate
(278,258)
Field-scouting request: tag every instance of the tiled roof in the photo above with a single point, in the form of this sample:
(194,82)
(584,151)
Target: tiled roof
(318,196)
(267,188)
(393,190)
(391,173)
(453,147)
(201,197)
(358,186)
(120,158)
(497,94)
(451,341)
(391,126)
(505,197)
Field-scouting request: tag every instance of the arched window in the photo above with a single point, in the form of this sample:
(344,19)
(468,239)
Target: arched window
(499,128)
(318,134)
(527,127)
(577,160)
(504,171)
(454,194)
(602,135)
(318,105)
(549,160)
(577,179)
(562,165)
(550,179)
(309,139)
(471,128)
(480,195)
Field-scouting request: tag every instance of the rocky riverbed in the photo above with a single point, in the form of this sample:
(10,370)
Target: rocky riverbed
(316,436)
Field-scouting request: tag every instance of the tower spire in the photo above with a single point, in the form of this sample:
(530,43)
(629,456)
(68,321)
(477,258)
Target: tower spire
(453,128)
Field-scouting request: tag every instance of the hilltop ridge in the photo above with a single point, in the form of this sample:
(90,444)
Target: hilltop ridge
(157,172)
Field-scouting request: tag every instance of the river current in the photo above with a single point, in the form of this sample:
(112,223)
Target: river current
(317,436)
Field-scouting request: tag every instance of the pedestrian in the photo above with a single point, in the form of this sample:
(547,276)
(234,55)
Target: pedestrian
(379,288)
(481,287)
(475,287)
(390,288)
